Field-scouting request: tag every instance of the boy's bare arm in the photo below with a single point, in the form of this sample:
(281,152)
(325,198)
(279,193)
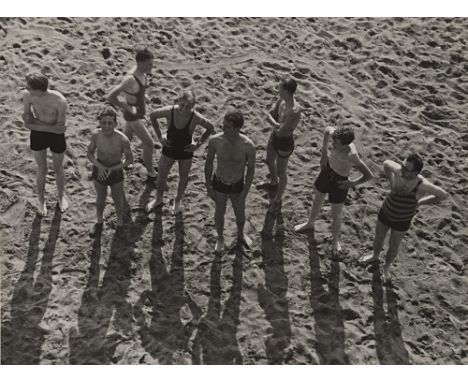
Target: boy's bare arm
(113,95)
(209,129)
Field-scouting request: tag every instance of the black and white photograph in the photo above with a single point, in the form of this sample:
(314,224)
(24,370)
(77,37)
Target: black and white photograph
(234,190)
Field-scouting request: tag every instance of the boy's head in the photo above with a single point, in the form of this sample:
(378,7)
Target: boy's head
(289,85)
(412,166)
(186,100)
(107,119)
(344,134)
(37,81)
(144,58)
(233,120)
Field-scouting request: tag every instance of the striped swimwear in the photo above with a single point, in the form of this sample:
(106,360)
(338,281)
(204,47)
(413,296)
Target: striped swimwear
(399,209)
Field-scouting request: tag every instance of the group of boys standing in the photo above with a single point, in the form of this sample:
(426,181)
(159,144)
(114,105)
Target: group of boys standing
(44,115)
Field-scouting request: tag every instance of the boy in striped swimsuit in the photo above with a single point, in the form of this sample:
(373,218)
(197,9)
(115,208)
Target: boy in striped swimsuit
(409,190)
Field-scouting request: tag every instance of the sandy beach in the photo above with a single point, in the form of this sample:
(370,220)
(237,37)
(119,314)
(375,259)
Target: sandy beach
(159,294)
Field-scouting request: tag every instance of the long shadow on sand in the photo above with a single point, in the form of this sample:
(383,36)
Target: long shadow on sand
(166,334)
(272,295)
(216,339)
(389,342)
(22,337)
(328,314)
(93,342)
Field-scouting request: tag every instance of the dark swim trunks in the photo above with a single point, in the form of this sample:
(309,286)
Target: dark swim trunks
(327,183)
(114,177)
(282,144)
(220,186)
(41,140)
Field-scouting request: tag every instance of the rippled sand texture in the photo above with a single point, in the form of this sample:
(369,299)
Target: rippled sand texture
(159,294)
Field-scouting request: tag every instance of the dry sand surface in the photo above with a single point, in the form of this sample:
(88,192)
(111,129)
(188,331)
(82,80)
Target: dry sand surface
(158,294)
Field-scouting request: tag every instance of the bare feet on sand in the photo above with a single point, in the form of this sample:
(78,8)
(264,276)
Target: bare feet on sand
(303,227)
(386,276)
(63,204)
(336,250)
(245,240)
(42,209)
(177,207)
(268,186)
(219,247)
(152,175)
(368,259)
(153,205)
(96,229)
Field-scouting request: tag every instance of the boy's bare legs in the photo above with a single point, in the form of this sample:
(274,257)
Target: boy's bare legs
(184,169)
(41,160)
(138,127)
(238,205)
(165,165)
(60,180)
(220,210)
(117,192)
(281,171)
(380,234)
(270,159)
(101,194)
(319,198)
(337,218)
(393,245)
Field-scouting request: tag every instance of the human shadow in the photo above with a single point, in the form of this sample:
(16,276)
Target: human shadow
(23,336)
(390,346)
(92,342)
(327,311)
(272,295)
(216,339)
(166,333)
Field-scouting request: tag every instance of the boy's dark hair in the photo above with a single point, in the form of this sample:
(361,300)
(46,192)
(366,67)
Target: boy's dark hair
(37,81)
(236,117)
(289,84)
(142,53)
(107,111)
(416,160)
(345,134)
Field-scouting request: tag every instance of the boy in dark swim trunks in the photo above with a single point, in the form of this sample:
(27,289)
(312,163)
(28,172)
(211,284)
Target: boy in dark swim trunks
(333,179)
(234,153)
(178,145)
(44,114)
(408,191)
(284,117)
(133,87)
(110,145)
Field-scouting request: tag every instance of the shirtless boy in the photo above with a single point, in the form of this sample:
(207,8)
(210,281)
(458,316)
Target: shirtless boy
(110,145)
(134,107)
(333,179)
(178,145)
(44,114)
(284,117)
(408,191)
(234,153)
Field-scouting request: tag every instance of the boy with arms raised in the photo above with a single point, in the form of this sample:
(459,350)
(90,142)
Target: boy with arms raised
(336,166)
